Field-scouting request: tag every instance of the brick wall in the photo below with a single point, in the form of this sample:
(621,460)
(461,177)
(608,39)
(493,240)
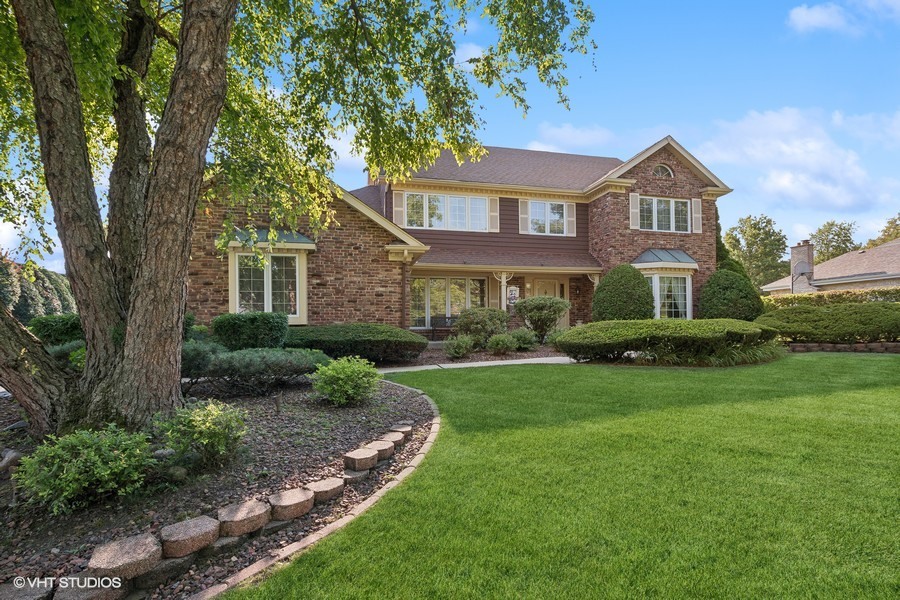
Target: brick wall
(349,276)
(613,242)
(581,295)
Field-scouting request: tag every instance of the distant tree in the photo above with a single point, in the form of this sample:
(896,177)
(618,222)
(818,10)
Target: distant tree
(63,291)
(30,303)
(724,260)
(832,239)
(890,233)
(49,295)
(10,288)
(759,246)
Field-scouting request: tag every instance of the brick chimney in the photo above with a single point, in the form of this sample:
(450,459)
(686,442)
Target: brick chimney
(802,262)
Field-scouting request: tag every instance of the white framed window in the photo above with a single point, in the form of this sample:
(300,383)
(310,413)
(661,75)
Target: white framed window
(547,218)
(433,298)
(665,214)
(672,295)
(276,283)
(441,211)
(663,171)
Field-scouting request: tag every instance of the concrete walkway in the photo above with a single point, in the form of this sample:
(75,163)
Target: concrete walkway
(549,360)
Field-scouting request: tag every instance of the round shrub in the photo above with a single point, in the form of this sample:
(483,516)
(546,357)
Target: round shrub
(665,341)
(459,346)
(347,380)
(526,340)
(542,313)
(53,330)
(77,358)
(836,323)
(237,331)
(196,356)
(372,341)
(728,295)
(502,343)
(205,434)
(79,468)
(480,324)
(623,294)
(260,370)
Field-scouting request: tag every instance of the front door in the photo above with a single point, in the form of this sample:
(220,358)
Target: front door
(551,287)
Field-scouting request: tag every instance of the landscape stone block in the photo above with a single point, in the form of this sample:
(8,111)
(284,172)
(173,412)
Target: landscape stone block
(188,536)
(361,459)
(327,489)
(384,448)
(126,558)
(244,517)
(291,504)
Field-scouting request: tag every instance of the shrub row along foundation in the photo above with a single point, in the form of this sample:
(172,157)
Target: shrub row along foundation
(146,561)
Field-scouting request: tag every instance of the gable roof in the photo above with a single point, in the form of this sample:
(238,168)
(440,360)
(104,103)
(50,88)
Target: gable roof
(380,220)
(880,262)
(514,166)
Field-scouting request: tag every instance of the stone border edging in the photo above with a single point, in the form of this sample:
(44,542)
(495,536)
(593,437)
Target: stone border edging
(878,347)
(295,548)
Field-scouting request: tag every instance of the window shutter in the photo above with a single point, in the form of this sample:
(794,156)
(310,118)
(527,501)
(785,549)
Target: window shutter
(697,215)
(399,209)
(635,201)
(493,214)
(523,216)
(570,219)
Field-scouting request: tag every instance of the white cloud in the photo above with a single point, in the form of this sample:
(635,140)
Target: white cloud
(346,158)
(569,138)
(881,129)
(801,231)
(829,17)
(465,52)
(9,237)
(889,9)
(795,157)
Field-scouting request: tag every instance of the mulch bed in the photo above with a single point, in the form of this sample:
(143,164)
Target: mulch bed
(302,444)
(436,356)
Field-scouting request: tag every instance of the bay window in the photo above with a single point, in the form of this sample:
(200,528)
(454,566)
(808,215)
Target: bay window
(434,298)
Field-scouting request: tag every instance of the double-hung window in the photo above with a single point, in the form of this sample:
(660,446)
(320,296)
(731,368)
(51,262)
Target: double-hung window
(435,298)
(443,211)
(665,214)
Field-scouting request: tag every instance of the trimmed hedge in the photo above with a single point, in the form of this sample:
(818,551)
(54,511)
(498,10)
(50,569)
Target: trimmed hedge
(260,370)
(541,313)
(623,294)
(669,341)
(836,297)
(727,295)
(237,331)
(480,324)
(836,323)
(372,341)
(54,330)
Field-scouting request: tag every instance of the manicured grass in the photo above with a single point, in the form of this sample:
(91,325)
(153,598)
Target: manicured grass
(582,481)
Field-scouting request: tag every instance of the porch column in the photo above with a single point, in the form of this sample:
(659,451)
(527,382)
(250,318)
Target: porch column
(503,277)
(595,279)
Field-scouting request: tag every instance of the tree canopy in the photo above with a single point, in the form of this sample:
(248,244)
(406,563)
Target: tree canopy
(832,239)
(760,246)
(889,233)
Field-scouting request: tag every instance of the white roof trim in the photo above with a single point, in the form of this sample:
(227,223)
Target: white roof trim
(665,265)
(368,211)
(643,155)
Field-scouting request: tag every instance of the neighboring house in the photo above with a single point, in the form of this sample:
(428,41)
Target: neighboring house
(877,267)
(518,223)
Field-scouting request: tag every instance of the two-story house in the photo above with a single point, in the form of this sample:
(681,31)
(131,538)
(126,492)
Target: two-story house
(517,223)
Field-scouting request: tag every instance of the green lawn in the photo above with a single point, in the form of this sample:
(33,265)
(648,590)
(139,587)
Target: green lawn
(582,481)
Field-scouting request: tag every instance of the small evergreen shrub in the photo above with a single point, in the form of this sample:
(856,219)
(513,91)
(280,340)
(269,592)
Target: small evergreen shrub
(63,351)
(664,341)
(77,469)
(196,356)
(727,295)
(347,380)
(836,323)
(53,330)
(237,331)
(542,313)
(206,434)
(190,319)
(502,343)
(623,294)
(480,324)
(372,341)
(199,333)
(459,346)
(260,370)
(526,340)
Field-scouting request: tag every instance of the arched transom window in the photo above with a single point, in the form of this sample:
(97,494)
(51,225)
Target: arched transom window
(662,171)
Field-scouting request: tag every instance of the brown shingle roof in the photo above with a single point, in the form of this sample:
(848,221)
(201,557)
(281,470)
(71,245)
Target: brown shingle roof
(508,259)
(513,166)
(371,195)
(875,262)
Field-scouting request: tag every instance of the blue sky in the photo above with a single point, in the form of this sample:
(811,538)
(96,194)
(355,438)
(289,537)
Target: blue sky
(794,105)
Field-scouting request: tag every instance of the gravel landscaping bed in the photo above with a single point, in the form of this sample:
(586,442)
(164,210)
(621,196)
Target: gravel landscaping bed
(303,443)
(436,356)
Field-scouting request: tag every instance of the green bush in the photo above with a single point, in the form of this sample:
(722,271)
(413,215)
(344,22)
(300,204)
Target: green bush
(553,338)
(190,319)
(347,380)
(502,343)
(196,356)
(836,323)
(665,341)
(77,469)
(727,295)
(77,358)
(542,313)
(237,331)
(205,434)
(372,341)
(53,330)
(480,324)
(199,333)
(63,351)
(260,370)
(835,297)
(623,294)
(526,340)
(459,346)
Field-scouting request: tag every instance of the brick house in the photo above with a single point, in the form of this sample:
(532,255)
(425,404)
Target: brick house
(515,224)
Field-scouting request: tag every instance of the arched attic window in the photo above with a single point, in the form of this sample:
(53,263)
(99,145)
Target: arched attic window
(663,171)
